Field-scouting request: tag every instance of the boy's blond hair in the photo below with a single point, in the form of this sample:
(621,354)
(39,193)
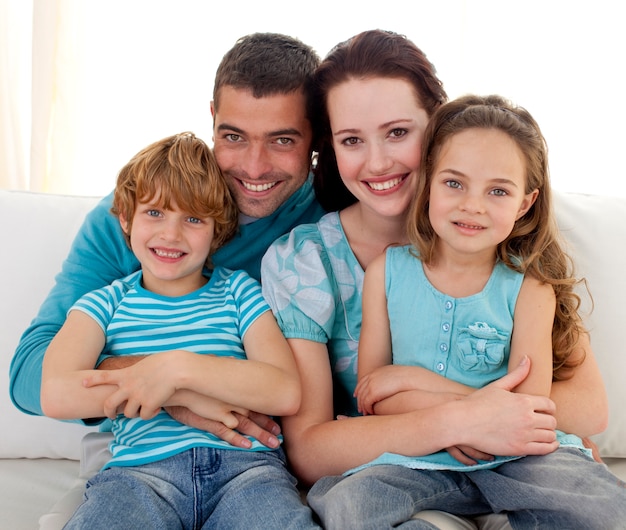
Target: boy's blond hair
(179,169)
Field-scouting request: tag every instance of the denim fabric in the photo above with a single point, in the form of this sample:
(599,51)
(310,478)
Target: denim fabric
(564,490)
(199,488)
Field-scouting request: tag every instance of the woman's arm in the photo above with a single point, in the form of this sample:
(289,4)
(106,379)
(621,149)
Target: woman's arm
(581,402)
(492,419)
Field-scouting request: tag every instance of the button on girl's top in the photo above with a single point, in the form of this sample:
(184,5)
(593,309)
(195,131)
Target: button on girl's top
(465,339)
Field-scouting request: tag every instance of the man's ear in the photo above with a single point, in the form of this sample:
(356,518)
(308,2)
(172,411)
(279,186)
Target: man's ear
(527,203)
(212,105)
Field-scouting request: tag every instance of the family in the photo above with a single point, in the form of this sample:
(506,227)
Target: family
(221,293)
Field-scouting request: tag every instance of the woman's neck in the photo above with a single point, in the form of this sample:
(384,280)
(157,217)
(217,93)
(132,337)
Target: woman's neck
(369,234)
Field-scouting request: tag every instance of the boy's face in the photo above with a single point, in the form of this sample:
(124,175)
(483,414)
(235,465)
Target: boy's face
(172,247)
(262,146)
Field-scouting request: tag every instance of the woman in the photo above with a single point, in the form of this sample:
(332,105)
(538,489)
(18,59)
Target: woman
(376,93)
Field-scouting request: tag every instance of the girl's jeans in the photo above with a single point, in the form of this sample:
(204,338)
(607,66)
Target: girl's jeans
(199,488)
(565,489)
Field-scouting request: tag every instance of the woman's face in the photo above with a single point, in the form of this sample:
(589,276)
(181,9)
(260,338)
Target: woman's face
(377,129)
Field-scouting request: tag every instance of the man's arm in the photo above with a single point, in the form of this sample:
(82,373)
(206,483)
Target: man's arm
(98,256)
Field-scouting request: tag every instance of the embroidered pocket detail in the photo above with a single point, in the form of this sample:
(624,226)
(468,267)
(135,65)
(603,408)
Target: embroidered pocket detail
(481,347)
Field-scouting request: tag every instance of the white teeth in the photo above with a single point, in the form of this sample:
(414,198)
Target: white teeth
(164,254)
(258,187)
(382,186)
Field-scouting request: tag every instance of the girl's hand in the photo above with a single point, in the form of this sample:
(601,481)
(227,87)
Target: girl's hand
(378,385)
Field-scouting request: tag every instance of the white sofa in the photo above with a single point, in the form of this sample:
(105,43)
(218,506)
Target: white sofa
(40,458)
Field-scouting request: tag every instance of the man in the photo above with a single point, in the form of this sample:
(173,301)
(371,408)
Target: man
(262,142)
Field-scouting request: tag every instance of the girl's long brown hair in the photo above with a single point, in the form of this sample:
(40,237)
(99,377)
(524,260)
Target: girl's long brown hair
(534,246)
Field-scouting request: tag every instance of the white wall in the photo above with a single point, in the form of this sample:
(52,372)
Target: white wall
(149,69)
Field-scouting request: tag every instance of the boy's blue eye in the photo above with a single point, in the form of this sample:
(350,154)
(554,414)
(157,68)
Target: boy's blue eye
(153,213)
(194,220)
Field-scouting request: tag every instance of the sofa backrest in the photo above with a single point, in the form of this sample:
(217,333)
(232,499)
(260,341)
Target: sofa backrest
(37,230)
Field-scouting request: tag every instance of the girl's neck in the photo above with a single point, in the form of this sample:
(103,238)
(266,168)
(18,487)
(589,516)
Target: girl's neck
(459,275)
(369,233)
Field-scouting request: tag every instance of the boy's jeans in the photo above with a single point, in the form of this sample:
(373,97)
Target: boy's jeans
(199,488)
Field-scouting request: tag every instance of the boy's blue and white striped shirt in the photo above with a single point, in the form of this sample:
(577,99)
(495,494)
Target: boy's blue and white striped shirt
(211,320)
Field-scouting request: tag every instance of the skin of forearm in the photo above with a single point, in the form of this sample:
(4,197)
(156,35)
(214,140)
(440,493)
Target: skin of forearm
(333,447)
(414,400)
(245,383)
(65,398)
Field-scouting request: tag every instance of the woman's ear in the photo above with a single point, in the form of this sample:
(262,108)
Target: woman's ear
(527,203)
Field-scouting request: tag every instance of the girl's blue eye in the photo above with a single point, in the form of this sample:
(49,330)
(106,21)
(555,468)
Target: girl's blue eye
(453,184)
(499,192)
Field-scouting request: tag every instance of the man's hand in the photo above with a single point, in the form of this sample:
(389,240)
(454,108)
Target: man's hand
(259,426)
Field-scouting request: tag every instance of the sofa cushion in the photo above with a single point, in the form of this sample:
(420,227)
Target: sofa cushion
(37,230)
(595,228)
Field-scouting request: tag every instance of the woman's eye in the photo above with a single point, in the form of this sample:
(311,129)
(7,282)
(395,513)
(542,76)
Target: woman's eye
(398,133)
(352,140)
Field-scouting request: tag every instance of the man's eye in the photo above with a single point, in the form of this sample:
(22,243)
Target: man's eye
(232,137)
(284,141)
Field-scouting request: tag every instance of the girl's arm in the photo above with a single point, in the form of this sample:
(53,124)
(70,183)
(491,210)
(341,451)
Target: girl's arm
(267,381)
(492,419)
(375,338)
(532,335)
(68,360)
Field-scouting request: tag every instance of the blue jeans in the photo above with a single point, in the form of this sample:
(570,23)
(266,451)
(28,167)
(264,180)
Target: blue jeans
(565,489)
(199,488)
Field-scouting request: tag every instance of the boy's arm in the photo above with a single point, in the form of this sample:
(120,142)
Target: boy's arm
(98,256)
(68,360)
(532,335)
(266,381)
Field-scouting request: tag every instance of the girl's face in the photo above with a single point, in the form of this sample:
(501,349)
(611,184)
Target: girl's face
(477,191)
(377,129)
(172,247)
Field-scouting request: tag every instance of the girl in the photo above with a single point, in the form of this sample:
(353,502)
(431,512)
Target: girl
(483,254)
(376,93)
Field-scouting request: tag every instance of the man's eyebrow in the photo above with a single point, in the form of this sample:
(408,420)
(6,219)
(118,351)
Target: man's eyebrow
(271,134)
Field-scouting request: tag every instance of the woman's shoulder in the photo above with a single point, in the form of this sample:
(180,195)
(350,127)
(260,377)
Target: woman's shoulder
(307,238)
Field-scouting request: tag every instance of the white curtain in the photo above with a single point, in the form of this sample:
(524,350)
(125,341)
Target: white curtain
(15,38)
(102,79)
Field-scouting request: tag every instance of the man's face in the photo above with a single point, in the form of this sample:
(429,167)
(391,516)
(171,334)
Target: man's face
(262,146)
